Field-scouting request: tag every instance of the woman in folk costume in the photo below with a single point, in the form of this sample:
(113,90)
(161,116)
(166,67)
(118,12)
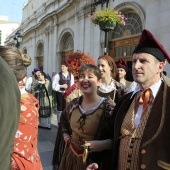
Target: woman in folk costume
(76,60)
(85,124)
(43,92)
(25,155)
(109,87)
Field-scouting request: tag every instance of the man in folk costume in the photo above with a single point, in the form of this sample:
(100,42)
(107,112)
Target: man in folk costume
(122,70)
(61,82)
(141,134)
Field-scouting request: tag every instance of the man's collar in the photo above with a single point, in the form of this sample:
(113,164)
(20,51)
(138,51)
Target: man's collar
(155,87)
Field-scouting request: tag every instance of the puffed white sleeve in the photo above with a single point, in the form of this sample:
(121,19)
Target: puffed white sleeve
(28,84)
(55,83)
(72,80)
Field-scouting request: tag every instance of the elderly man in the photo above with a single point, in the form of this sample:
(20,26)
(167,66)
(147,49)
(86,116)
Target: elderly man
(141,133)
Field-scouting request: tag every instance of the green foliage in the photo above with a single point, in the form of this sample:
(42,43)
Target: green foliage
(108,15)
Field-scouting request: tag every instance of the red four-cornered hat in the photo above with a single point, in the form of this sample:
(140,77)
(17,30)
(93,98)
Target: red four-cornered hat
(121,64)
(149,44)
(65,63)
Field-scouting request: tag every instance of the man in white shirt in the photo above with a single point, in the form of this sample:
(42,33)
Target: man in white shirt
(61,82)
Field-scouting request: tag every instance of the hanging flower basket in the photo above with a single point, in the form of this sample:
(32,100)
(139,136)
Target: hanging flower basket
(107,19)
(106,25)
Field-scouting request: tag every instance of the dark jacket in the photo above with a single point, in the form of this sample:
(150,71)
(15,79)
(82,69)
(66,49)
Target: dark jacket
(154,148)
(128,83)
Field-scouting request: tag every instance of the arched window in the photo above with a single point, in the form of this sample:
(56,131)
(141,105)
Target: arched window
(124,39)
(68,42)
(133,26)
(40,56)
(25,51)
(68,46)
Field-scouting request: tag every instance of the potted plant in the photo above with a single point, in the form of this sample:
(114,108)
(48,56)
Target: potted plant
(78,58)
(107,19)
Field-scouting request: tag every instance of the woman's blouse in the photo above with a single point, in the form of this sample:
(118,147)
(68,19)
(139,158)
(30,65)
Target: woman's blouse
(113,91)
(25,154)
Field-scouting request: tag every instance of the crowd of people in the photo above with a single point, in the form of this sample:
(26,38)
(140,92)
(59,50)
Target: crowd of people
(104,120)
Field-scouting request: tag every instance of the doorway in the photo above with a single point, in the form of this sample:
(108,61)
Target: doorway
(123,48)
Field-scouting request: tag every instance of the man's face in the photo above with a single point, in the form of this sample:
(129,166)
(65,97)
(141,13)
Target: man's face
(121,73)
(146,69)
(64,68)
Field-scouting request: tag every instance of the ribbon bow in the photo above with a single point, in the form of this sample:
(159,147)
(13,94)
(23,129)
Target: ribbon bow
(146,98)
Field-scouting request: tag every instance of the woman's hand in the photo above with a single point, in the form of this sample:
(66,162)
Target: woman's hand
(98,145)
(92,166)
(66,137)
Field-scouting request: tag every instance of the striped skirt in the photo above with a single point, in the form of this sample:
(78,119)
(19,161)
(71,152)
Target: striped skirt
(72,158)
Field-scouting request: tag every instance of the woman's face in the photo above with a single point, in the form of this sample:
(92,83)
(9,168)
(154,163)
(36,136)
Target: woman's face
(88,82)
(104,67)
(41,77)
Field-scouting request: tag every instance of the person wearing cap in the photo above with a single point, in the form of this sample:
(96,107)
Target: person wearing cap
(141,133)
(31,81)
(61,82)
(122,70)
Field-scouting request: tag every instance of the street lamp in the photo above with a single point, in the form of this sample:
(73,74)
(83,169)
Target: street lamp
(17,39)
(97,2)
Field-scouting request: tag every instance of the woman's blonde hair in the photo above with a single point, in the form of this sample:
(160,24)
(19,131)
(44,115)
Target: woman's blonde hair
(16,60)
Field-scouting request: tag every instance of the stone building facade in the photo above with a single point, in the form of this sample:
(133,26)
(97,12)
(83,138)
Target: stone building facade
(52,29)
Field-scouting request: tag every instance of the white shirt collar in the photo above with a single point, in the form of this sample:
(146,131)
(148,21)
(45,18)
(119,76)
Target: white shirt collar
(109,88)
(155,87)
(22,90)
(65,74)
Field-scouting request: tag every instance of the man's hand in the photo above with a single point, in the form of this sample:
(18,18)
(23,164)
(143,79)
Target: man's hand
(64,86)
(92,166)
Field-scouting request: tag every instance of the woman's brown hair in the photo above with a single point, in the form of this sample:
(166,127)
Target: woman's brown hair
(92,68)
(16,60)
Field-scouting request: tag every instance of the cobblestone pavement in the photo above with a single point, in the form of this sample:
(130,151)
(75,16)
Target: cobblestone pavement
(46,141)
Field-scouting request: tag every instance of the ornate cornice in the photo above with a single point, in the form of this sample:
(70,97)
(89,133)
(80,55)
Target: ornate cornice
(49,29)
